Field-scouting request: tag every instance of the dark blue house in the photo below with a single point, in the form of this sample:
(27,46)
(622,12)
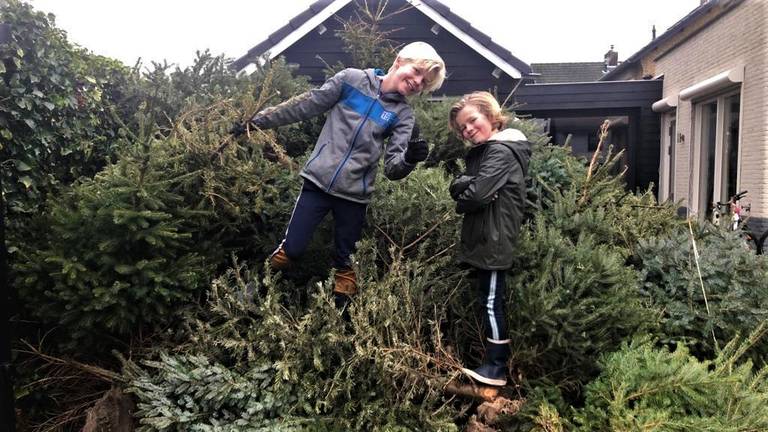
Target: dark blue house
(474,61)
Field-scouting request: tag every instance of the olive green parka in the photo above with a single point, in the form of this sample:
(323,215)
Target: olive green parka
(491,196)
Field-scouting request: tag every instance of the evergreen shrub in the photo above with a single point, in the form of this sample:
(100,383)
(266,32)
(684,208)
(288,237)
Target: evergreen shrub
(733,279)
(644,387)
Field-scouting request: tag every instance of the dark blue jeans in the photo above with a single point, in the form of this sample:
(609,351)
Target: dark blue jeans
(311,207)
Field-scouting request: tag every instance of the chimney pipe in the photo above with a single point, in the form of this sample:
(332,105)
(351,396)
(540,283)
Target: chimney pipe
(611,58)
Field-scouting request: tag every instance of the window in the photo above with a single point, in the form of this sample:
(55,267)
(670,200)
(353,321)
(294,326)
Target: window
(717,144)
(731,146)
(667,165)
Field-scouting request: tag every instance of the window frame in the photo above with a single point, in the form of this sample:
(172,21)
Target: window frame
(667,155)
(697,180)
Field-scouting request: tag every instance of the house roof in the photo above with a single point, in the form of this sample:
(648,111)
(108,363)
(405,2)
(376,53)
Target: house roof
(321,10)
(671,32)
(548,73)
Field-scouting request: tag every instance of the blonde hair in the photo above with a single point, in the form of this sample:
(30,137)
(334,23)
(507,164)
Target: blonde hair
(424,57)
(485,103)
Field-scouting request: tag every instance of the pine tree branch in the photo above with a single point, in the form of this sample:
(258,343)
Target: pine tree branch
(435,256)
(386,236)
(444,218)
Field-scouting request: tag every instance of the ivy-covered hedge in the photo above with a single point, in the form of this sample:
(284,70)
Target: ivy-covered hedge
(57,121)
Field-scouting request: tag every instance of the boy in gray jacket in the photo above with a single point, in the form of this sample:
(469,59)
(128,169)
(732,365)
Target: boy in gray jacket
(365,107)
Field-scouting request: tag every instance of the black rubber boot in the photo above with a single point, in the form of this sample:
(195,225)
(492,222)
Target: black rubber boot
(493,371)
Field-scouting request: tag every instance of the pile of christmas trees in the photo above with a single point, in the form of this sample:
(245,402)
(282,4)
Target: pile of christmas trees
(146,273)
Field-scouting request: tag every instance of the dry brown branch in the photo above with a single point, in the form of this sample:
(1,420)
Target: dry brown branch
(489,411)
(277,149)
(73,386)
(389,239)
(435,256)
(603,136)
(264,98)
(445,217)
(95,371)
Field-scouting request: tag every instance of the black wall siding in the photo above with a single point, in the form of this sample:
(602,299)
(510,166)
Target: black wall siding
(467,70)
(619,98)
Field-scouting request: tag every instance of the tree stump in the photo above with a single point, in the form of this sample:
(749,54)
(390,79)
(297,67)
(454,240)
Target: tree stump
(112,413)
(472,390)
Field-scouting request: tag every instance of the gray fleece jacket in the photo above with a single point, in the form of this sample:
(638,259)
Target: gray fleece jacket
(345,159)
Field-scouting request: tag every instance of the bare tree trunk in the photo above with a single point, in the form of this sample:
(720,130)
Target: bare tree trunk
(112,413)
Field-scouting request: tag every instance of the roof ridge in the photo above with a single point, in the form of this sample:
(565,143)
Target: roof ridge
(483,40)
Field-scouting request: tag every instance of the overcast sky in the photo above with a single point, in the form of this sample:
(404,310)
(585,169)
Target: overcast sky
(535,31)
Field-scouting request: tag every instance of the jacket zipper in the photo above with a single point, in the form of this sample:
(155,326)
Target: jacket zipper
(354,139)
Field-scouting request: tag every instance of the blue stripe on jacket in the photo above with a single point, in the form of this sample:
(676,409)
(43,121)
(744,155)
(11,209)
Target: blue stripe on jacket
(359,103)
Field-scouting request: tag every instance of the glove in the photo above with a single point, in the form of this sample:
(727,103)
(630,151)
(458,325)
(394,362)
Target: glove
(238,129)
(459,185)
(417,151)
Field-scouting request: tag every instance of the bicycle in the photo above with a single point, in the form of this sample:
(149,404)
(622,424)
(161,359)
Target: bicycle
(739,215)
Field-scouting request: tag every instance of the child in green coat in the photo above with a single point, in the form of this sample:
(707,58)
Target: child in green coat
(491,196)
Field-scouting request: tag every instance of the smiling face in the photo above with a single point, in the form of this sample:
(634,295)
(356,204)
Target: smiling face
(407,79)
(474,126)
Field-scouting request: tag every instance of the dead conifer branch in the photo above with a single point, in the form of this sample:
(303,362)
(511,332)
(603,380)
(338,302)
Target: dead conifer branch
(95,371)
(282,156)
(386,236)
(440,253)
(444,218)
(603,136)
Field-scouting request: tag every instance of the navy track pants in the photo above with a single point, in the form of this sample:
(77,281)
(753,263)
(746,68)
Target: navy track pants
(493,289)
(311,207)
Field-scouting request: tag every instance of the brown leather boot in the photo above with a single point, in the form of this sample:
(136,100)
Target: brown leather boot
(279,260)
(345,282)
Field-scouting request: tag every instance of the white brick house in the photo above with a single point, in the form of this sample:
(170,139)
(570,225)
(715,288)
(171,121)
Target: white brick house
(714,110)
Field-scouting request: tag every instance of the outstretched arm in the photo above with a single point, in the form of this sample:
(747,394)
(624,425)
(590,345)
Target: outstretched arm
(304,106)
